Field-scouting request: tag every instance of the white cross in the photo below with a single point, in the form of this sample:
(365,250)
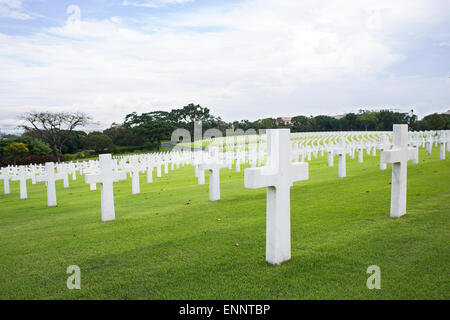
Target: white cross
(135,181)
(238,161)
(277,175)
(106,177)
(330,157)
(384,145)
(50,177)
(360,153)
(341,151)
(149,172)
(442,142)
(158,169)
(5,176)
(62,169)
(213,166)
(399,156)
(22,177)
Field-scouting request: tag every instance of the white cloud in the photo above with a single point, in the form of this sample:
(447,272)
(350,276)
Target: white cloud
(154,3)
(13,9)
(252,60)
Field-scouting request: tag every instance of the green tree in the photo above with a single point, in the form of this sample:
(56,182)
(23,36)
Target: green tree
(53,128)
(35,146)
(301,124)
(16,149)
(435,121)
(124,136)
(153,127)
(367,121)
(351,120)
(74,142)
(325,123)
(186,116)
(97,141)
(268,123)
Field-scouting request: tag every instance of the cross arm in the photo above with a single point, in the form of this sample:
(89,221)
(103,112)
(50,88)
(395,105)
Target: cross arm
(413,154)
(119,175)
(92,178)
(299,171)
(60,176)
(392,156)
(261,177)
(41,178)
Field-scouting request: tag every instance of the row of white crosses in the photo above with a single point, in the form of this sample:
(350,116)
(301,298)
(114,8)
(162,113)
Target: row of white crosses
(279,174)
(110,171)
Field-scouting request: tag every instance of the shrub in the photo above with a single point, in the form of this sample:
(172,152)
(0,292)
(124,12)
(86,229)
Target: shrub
(27,160)
(16,149)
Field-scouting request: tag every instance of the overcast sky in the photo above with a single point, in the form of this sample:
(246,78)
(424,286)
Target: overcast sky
(243,59)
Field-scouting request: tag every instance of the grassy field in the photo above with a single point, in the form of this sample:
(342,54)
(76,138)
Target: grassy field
(170,242)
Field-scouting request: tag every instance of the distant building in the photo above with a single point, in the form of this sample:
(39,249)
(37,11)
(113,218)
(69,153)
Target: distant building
(284,120)
(447,113)
(338,117)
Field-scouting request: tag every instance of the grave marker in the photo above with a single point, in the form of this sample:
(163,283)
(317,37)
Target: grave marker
(399,156)
(277,176)
(50,177)
(106,177)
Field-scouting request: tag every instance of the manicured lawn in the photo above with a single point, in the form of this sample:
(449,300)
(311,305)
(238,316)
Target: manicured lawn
(168,241)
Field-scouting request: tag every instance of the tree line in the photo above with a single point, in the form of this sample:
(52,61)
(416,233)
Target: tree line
(52,136)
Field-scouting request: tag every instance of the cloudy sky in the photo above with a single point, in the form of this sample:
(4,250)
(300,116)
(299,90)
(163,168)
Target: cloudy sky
(244,59)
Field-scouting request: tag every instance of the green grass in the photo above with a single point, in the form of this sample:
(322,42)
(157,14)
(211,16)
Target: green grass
(167,242)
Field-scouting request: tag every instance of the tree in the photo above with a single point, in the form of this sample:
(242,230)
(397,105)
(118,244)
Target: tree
(435,121)
(351,119)
(54,128)
(34,145)
(16,149)
(97,141)
(151,126)
(186,117)
(123,136)
(367,120)
(268,123)
(74,142)
(325,123)
(301,124)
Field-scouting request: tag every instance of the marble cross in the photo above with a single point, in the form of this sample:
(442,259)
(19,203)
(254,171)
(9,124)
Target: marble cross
(5,176)
(106,177)
(50,177)
(62,170)
(399,156)
(330,156)
(384,145)
(158,169)
(360,154)
(277,176)
(442,142)
(135,170)
(213,166)
(341,151)
(149,172)
(22,177)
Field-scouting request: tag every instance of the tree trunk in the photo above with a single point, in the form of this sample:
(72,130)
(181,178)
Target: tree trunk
(159,144)
(56,153)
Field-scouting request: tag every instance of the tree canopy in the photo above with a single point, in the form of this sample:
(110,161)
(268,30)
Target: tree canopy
(53,128)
